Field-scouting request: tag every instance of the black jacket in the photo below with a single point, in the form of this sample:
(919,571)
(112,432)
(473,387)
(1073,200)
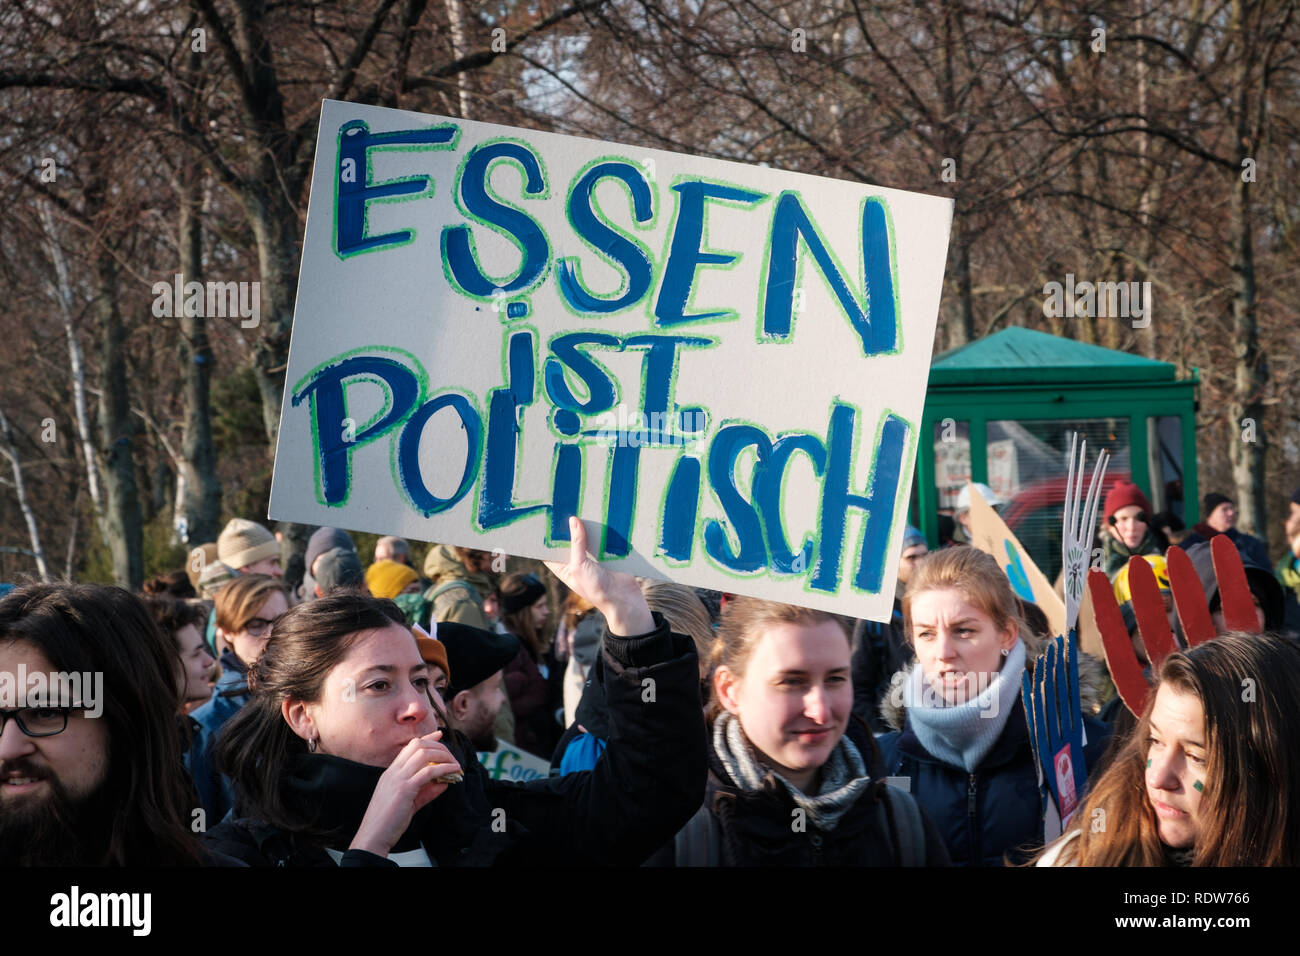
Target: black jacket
(995,811)
(647,784)
(879,651)
(757,828)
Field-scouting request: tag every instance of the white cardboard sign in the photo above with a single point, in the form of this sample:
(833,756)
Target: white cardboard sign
(719,367)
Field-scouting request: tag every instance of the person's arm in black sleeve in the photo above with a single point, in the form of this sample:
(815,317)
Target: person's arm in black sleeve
(651,777)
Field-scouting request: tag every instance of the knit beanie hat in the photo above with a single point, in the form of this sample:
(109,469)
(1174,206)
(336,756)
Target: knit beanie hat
(912,537)
(388,578)
(432,650)
(474,654)
(1123,494)
(243,542)
(528,591)
(200,557)
(326,539)
(214,577)
(338,568)
(1212,501)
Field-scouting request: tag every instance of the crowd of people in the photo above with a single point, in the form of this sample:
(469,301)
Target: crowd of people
(334,714)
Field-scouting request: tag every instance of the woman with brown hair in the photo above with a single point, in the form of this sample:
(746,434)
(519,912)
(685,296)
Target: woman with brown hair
(961,738)
(1211,775)
(246,610)
(532,679)
(343,755)
(793,777)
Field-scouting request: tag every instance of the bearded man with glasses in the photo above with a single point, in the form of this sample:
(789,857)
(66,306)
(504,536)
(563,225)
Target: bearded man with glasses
(82,786)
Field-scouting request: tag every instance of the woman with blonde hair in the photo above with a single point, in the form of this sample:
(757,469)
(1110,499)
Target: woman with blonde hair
(961,739)
(1211,775)
(792,777)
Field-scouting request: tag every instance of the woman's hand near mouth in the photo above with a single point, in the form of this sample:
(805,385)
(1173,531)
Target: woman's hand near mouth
(419,774)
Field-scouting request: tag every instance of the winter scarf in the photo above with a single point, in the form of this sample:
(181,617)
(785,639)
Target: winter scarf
(844,775)
(962,734)
(1115,554)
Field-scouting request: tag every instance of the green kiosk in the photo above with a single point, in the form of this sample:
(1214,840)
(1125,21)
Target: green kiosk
(1000,411)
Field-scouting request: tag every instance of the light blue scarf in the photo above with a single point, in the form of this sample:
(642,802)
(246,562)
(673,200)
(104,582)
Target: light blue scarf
(963,734)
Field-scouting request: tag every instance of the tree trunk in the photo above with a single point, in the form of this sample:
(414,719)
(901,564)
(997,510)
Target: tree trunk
(1249,443)
(121,526)
(1250,370)
(275,228)
(6,433)
(198,493)
(963,330)
(63,295)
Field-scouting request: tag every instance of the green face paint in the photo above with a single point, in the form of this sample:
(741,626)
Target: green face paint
(1148,764)
(1200,787)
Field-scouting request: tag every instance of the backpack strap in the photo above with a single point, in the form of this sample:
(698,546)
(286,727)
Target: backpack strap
(446,586)
(699,843)
(905,826)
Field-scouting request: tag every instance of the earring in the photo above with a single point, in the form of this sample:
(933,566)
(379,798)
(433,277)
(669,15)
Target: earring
(1006,651)
(312,744)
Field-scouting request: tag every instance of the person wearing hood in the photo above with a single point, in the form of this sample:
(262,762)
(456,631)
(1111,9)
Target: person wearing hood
(344,757)
(246,610)
(880,650)
(459,583)
(962,740)
(1221,518)
(1129,528)
(321,541)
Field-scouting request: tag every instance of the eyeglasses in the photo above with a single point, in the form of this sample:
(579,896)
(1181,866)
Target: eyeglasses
(257,626)
(37,721)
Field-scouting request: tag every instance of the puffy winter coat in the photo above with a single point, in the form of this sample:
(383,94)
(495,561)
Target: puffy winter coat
(646,785)
(456,594)
(997,810)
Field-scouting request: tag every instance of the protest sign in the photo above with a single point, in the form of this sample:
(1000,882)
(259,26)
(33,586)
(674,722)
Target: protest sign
(508,762)
(719,367)
(991,535)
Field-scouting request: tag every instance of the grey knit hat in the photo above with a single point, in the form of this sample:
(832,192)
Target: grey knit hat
(243,542)
(338,568)
(214,577)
